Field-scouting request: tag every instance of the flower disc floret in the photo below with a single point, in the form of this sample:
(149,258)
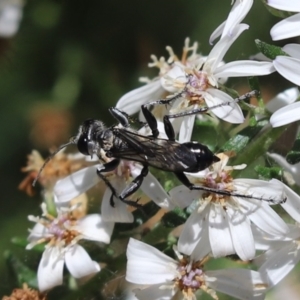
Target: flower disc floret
(191,277)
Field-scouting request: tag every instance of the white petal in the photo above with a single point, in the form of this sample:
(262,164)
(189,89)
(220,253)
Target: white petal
(288,67)
(118,213)
(292,204)
(286,115)
(153,189)
(182,197)
(37,232)
(175,74)
(282,99)
(238,283)
(231,113)
(219,50)
(265,218)
(238,12)
(92,227)
(10,17)
(219,233)
(293,6)
(281,161)
(292,50)
(244,68)
(241,234)
(217,32)
(203,247)
(280,264)
(50,270)
(79,262)
(186,128)
(286,28)
(147,265)
(75,184)
(154,292)
(195,231)
(268,190)
(131,102)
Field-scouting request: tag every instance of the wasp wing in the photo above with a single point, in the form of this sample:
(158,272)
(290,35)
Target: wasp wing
(136,143)
(159,153)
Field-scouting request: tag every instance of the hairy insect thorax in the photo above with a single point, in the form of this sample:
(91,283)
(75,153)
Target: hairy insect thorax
(93,137)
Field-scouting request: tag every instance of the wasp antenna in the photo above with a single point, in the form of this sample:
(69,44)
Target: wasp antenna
(72,141)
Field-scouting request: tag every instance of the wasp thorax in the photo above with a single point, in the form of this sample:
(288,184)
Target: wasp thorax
(106,139)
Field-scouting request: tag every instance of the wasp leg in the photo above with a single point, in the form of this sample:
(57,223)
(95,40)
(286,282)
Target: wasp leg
(170,99)
(108,167)
(120,116)
(134,186)
(191,186)
(169,130)
(202,110)
(151,120)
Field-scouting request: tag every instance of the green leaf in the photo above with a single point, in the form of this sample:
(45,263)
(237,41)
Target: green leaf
(174,218)
(241,140)
(159,233)
(269,172)
(259,145)
(268,50)
(233,93)
(20,271)
(293,156)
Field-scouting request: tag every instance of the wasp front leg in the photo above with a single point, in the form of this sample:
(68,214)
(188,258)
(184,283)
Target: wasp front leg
(108,167)
(119,115)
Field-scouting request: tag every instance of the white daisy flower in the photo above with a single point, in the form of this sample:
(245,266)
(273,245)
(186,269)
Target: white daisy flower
(288,66)
(289,27)
(62,234)
(79,182)
(196,79)
(237,13)
(162,277)
(281,256)
(223,223)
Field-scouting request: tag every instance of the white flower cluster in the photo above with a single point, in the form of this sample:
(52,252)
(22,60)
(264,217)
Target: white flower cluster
(237,221)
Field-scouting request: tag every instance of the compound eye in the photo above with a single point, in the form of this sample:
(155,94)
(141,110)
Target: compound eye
(82,145)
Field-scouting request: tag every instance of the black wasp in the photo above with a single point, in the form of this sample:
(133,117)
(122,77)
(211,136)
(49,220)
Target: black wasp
(122,142)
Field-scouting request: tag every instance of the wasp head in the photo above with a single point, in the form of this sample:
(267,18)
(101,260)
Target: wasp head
(87,142)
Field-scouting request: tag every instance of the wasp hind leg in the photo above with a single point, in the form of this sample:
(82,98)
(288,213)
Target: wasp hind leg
(205,109)
(182,177)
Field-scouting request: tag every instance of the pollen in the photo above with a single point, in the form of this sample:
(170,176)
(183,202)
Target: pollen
(58,167)
(59,231)
(25,293)
(221,180)
(191,278)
